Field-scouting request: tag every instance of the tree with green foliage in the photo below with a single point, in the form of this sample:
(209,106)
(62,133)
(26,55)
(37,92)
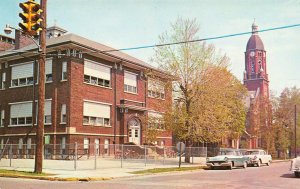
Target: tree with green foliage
(208,103)
(283,120)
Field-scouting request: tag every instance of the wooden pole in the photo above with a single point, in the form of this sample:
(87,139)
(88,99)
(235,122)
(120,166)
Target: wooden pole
(41,94)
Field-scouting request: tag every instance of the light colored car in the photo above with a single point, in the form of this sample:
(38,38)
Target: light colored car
(258,157)
(227,158)
(295,166)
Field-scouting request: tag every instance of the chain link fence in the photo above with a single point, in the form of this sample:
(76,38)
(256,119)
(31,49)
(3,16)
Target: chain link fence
(95,156)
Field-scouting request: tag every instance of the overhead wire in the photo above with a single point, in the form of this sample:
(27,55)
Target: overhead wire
(182,42)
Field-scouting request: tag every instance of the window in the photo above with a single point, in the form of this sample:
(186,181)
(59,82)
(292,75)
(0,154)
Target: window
(3,79)
(47,112)
(155,120)
(96,74)
(21,113)
(130,82)
(64,75)
(28,143)
(63,145)
(2,118)
(22,75)
(96,114)
(1,144)
(252,66)
(47,139)
(97,143)
(63,113)
(106,146)
(20,143)
(48,70)
(156,89)
(86,143)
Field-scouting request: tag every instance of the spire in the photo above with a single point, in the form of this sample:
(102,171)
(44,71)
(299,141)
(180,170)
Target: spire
(254,28)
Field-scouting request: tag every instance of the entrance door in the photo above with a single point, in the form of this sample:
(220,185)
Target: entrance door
(134,131)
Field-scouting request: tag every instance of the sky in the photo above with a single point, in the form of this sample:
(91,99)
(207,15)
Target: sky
(131,23)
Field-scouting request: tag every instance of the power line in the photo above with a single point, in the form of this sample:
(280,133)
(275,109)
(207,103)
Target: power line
(203,39)
(183,42)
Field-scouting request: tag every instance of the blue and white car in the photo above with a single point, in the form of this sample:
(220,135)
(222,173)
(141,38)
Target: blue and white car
(227,158)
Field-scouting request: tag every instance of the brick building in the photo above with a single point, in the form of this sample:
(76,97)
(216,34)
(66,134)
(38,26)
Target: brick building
(257,82)
(6,43)
(92,95)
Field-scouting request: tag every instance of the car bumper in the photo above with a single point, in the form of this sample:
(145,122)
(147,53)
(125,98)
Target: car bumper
(252,162)
(295,169)
(218,164)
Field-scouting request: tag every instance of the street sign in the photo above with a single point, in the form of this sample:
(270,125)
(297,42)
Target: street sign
(180,146)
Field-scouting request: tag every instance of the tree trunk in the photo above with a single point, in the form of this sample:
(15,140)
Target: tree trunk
(187,157)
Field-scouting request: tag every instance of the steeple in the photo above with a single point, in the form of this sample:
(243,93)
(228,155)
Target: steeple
(255,75)
(254,28)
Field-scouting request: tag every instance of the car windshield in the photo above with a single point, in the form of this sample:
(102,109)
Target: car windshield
(252,153)
(226,153)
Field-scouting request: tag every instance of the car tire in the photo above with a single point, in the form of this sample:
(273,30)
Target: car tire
(230,166)
(245,165)
(258,163)
(297,174)
(268,163)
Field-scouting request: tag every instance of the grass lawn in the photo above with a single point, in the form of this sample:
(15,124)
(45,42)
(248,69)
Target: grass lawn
(21,173)
(162,170)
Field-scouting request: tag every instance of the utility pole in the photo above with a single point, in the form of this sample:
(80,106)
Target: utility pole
(295,119)
(41,93)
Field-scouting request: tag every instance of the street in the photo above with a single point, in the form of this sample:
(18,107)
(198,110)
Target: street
(275,176)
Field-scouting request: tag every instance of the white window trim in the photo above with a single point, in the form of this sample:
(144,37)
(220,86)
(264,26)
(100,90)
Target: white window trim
(97,102)
(62,71)
(19,64)
(101,103)
(101,64)
(25,102)
(61,114)
(2,117)
(131,73)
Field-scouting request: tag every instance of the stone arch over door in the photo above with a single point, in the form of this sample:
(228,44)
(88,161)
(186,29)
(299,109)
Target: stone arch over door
(134,130)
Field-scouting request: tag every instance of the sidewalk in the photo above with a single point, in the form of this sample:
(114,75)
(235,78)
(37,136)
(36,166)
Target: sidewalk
(109,169)
(106,169)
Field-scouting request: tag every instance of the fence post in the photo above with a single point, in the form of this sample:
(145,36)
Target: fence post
(191,151)
(95,149)
(122,153)
(145,155)
(164,155)
(75,157)
(10,154)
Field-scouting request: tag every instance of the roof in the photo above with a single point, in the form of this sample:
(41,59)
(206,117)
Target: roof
(89,45)
(255,42)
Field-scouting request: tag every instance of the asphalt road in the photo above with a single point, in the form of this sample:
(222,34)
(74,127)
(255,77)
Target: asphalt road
(275,176)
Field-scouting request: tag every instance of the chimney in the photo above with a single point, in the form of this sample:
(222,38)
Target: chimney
(22,40)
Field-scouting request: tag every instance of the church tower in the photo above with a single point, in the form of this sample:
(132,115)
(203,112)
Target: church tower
(255,74)
(257,82)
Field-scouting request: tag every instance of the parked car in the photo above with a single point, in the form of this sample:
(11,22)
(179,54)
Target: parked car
(227,158)
(295,166)
(258,157)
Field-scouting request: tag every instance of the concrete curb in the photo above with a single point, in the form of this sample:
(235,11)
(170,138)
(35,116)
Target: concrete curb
(56,178)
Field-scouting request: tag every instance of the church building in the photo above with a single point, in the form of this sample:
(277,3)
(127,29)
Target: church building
(257,83)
